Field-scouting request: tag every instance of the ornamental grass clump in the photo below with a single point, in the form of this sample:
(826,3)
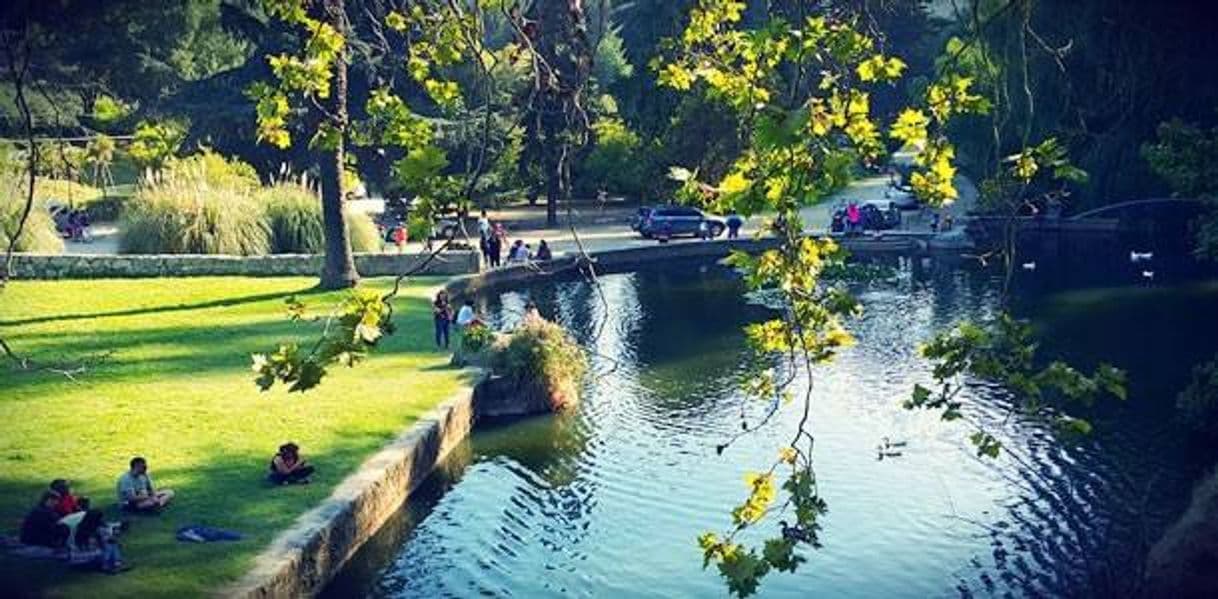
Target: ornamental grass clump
(201,206)
(39,233)
(293,214)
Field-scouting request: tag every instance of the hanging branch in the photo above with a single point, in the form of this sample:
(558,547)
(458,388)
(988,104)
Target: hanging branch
(17,55)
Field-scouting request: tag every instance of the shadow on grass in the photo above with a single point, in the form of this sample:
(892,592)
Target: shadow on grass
(155,352)
(217,303)
(228,491)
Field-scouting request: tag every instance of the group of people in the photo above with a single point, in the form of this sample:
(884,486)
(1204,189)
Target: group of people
(443,318)
(493,237)
(67,526)
(71,224)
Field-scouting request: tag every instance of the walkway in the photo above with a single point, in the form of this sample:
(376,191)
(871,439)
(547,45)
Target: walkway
(608,227)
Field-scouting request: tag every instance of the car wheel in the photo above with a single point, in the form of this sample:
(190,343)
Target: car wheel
(715,231)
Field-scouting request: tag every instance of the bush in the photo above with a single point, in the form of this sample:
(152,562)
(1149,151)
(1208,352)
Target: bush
(293,215)
(419,228)
(1198,403)
(365,237)
(184,215)
(212,169)
(476,338)
(542,353)
(39,233)
(617,162)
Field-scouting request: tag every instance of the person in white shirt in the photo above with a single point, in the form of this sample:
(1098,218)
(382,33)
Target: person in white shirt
(484,226)
(466,315)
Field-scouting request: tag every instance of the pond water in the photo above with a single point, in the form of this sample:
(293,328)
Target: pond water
(608,500)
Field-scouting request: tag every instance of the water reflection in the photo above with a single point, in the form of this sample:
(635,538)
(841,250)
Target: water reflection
(606,501)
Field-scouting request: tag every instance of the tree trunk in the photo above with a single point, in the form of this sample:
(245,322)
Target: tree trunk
(552,172)
(338,271)
(555,122)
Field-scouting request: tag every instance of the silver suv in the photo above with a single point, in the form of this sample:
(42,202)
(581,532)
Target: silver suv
(662,222)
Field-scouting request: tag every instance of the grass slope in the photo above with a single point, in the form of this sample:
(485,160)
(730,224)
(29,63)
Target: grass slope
(178,389)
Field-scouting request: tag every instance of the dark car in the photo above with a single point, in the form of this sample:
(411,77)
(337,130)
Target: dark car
(663,222)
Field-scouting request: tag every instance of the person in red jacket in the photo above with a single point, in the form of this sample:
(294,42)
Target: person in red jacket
(68,503)
(399,237)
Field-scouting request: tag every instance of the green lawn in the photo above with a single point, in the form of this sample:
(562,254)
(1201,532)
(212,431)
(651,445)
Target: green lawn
(178,389)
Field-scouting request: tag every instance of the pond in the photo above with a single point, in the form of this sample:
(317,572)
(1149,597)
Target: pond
(608,500)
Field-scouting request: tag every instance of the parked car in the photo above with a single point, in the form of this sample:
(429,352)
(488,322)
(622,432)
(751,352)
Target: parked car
(903,197)
(446,227)
(663,222)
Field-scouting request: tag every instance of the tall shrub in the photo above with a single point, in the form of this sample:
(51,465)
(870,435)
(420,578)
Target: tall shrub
(293,215)
(181,215)
(39,233)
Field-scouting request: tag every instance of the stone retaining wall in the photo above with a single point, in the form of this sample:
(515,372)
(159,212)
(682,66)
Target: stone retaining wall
(304,558)
(628,259)
(75,266)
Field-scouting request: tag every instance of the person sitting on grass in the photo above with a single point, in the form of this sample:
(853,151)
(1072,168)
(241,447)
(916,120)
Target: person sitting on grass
(91,542)
(288,467)
(68,503)
(135,490)
(41,527)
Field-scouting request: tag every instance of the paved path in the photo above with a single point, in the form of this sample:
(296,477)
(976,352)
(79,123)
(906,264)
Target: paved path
(608,227)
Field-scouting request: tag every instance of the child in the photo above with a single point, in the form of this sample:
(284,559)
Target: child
(68,503)
(92,543)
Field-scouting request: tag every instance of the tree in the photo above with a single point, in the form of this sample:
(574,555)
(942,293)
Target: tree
(801,91)
(556,121)
(318,74)
(1186,157)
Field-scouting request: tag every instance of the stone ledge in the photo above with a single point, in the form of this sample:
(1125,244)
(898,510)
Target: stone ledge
(632,258)
(77,266)
(304,558)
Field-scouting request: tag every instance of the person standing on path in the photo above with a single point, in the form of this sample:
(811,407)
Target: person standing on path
(442,315)
(494,247)
(484,225)
(853,217)
(734,222)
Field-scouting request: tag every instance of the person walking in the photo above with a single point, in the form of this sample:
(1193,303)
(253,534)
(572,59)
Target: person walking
(442,316)
(734,222)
